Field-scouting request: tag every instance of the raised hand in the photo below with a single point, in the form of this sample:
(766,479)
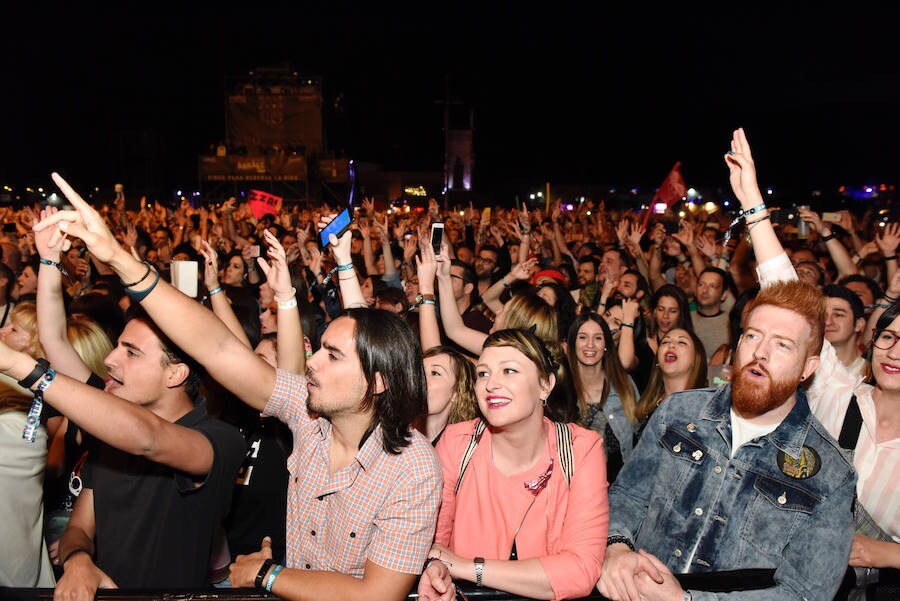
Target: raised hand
(83,222)
(210,266)
(277,273)
(742,170)
(889,239)
(42,238)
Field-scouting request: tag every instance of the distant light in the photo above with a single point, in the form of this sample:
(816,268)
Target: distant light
(178,193)
(710,206)
(462,213)
(790,215)
(869,189)
(882,223)
(692,193)
(589,213)
(570,207)
(40,189)
(531,196)
(681,213)
(769,191)
(540,194)
(660,207)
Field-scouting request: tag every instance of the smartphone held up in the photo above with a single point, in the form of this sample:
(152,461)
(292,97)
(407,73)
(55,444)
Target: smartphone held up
(437,236)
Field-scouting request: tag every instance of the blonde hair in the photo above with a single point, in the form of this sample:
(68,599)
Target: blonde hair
(90,341)
(528,311)
(465,405)
(24,315)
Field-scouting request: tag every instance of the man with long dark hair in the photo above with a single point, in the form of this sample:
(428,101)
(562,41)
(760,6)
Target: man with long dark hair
(364,485)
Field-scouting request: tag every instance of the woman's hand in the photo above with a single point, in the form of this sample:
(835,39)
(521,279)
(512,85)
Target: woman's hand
(42,238)
(277,273)
(210,266)
(630,310)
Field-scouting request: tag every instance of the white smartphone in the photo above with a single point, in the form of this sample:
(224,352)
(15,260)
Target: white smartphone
(831,217)
(437,236)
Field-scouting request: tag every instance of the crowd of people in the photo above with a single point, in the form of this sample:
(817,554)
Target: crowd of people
(543,402)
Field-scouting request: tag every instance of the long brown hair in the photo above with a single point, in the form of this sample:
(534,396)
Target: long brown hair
(655,391)
(616,376)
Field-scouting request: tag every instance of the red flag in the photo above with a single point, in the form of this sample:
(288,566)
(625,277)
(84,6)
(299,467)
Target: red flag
(671,191)
(262,202)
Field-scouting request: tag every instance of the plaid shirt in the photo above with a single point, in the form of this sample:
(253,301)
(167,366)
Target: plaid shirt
(382,507)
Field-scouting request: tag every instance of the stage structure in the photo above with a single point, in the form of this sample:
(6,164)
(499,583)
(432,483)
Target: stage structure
(274,139)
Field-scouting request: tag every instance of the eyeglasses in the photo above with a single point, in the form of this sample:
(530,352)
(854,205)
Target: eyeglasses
(485,259)
(458,277)
(885,340)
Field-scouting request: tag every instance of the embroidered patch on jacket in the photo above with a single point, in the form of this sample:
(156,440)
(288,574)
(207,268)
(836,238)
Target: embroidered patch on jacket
(806,466)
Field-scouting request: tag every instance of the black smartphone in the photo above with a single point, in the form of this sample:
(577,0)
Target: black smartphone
(336,226)
(437,236)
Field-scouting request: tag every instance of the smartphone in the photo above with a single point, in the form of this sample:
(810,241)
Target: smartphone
(254,250)
(831,217)
(437,236)
(336,226)
(486,215)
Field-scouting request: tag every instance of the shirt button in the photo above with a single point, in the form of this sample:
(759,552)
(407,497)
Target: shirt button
(308,566)
(352,535)
(782,499)
(677,448)
(691,428)
(677,553)
(717,469)
(313,532)
(698,511)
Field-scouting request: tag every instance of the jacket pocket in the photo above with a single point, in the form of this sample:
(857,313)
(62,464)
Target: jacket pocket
(774,514)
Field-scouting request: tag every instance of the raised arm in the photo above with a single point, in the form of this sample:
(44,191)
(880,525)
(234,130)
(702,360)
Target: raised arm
(426,268)
(289,341)
(188,324)
(522,271)
(838,251)
(51,311)
(218,299)
(466,337)
(742,175)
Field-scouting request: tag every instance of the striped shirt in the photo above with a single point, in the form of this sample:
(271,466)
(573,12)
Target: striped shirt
(878,464)
(382,507)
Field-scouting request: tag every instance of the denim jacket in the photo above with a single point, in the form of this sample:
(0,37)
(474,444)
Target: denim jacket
(685,500)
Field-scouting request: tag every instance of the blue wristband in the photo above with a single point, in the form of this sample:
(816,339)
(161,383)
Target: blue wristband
(270,581)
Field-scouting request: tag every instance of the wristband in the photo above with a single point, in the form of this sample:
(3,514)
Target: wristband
(142,294)
(428,301)
(346,267)
(627,324)
(891,258)
(288,304)
(263,570)
(503,281)
(215,290)
(618,538)
(139,280)
(56,264)
(271,579)
(830,236)
(36,374)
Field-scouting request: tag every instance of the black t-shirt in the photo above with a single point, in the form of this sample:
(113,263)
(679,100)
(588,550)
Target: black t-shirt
(259,504)
(154,526)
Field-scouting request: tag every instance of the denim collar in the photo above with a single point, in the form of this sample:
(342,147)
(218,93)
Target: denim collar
(788,436)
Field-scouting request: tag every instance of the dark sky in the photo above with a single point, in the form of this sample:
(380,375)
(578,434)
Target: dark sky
(135,92)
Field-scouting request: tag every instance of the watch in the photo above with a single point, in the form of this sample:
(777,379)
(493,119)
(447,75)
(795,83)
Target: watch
(479,570)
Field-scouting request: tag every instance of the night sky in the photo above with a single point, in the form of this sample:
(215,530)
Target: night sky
(135,93)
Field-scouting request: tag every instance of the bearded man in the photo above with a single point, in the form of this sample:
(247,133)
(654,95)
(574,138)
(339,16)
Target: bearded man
(743,476)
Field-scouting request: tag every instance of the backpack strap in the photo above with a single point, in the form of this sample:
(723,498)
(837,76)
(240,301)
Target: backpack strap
(563,444)
(852,426)
(564,448)
(470,450)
